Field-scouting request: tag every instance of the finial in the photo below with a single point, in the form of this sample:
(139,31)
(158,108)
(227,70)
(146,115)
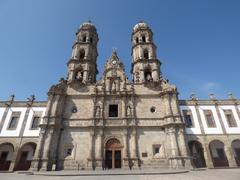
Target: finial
(10,100)
(231,96)
(89,19)
(114,49)
(212,96)
(193,97)
(31,99)
(62,80)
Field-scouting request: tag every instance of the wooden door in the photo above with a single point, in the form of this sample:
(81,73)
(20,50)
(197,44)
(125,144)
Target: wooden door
(23,163)
(108,159)
(117,159)
(4,163)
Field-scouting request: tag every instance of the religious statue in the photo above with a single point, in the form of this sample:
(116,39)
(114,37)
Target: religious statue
(128,110)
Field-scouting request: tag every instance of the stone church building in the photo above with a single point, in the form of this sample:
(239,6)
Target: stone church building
(115,122)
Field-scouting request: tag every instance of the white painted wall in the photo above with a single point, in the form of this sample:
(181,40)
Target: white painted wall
(1,113)
(196,129)
(27,129)
(16,132)
(207,130)
(230,130)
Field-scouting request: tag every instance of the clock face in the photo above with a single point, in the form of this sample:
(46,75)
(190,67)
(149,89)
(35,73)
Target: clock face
(114,62)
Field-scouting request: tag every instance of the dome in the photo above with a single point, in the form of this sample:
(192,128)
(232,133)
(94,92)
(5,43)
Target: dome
(87,25)
(140,25)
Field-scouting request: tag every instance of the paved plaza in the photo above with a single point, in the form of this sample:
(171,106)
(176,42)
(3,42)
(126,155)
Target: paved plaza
(210,174)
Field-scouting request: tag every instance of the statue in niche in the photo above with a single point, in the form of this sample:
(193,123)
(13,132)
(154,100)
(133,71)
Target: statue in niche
(90,78)
(98,111)
(79,75)
(137,77)
(114,86)
(114,72)
(129,110)
(149,77)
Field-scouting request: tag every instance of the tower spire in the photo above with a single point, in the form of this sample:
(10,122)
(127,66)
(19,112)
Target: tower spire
(82,66)
(145,65)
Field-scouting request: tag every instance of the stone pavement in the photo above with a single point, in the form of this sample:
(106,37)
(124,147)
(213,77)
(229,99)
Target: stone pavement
(111,172)
(209,174)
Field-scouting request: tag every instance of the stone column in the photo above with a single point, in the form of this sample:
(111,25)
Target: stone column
(183,148)
(37,154)
(168,112)
(207,155)
(125,149)
(45,156)
(155,75)
(98,149)
(92,150)
(173,147)
(14,158)
(133,154)
(230,155)
(182,143)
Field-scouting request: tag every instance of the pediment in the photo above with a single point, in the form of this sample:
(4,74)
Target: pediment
(114,74)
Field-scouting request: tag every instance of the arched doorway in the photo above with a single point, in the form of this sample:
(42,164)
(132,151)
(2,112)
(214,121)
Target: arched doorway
(236,150)
(24,157)
(113,154)
(6,153)
(219,157)
(197,152)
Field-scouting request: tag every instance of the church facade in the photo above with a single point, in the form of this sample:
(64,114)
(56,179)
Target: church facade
(115,122)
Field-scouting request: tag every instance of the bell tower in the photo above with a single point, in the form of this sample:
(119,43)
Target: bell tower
(145,65)
(82,66)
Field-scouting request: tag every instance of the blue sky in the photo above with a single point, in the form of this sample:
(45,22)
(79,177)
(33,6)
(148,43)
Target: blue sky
(198,41)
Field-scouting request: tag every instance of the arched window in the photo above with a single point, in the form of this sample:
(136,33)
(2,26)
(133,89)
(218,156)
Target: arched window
(84,38)
(82,54)
(91,40)
(143,38)
(145,54)
(137,40)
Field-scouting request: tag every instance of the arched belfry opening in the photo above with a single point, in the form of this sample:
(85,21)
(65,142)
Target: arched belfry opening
(84,38)
(145,54)
(82,54)
(148,75)
(113,154)
(137,40)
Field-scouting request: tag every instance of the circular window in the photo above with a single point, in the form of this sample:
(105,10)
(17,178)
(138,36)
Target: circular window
(152,109)
(74,109)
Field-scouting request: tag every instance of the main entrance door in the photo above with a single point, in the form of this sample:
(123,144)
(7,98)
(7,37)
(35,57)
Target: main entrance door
(113,154)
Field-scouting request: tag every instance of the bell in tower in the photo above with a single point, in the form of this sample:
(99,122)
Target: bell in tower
(82,66)
(145,65)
